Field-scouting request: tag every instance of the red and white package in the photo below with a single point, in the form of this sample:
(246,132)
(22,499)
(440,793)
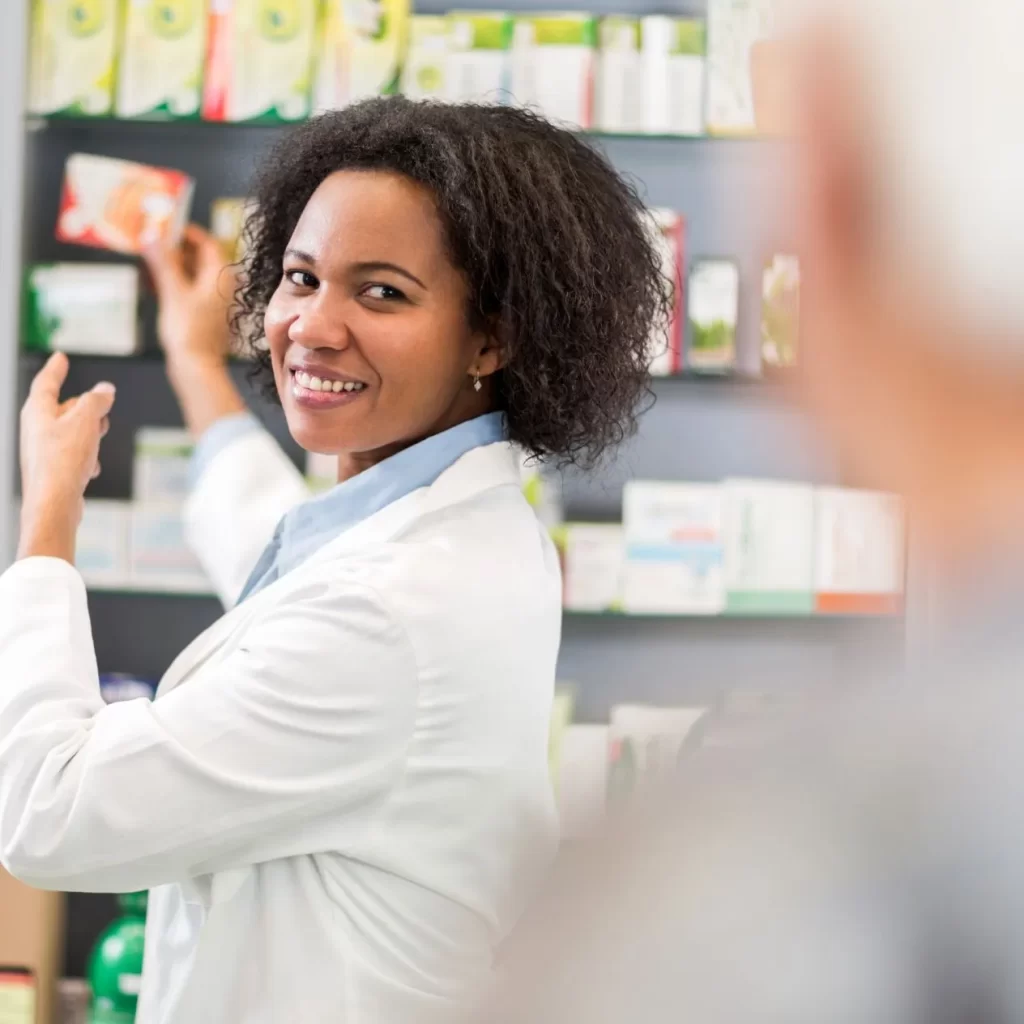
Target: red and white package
(668,229)
(122,206)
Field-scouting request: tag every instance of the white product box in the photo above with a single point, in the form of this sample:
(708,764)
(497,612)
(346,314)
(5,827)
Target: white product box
(425,73)
(553,60)
(618,78)
(859,555)
(769,547)
(102,544)
(72,57)
(594,562)
(673,75)
(674,554)
(83,308)
(713,310)
(321,471)
(669,231)
(734,27)
(163,457)
(363,44)
(161,560)
(160,66)
(260,60)
(582,779)
(780,312)
(646,746)
(479,60)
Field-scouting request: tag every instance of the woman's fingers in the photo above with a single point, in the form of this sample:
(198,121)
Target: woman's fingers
(49,380)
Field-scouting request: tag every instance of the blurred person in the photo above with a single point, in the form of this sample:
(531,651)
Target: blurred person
(340,796)
(868,867)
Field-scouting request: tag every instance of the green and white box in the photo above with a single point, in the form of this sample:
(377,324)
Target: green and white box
(553,61)
(769,547)
(479,62)
(163,458)
(673,75)
(82,308)
(160,70)
(713,310)
(618,79)
(321,471)
(424,76)
(73,57)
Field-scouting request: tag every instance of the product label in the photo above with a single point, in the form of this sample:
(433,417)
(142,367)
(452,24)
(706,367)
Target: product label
(260,60)
(161,64)
(17,996)
(72,57)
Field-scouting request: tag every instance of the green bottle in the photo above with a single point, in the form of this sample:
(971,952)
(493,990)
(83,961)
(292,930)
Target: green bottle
(115,967)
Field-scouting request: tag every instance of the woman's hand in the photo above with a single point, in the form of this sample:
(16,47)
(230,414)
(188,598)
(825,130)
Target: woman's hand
(195,289)
(60,446)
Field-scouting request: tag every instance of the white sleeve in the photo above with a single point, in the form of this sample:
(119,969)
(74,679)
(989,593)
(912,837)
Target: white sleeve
(291,744)
(240,496)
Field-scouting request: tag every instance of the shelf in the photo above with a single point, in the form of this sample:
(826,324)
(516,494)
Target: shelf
(104,591)
(732,616)
(33,123)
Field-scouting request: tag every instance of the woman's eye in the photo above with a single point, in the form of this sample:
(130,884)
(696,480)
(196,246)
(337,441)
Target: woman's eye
(301,278)
(384,292)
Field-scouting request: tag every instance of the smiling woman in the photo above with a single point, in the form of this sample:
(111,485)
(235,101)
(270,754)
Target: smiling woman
(340,796)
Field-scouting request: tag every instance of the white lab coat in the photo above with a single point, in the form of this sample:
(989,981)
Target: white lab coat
(340,795)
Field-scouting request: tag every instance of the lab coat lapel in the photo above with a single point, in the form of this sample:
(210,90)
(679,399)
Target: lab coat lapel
(477,471)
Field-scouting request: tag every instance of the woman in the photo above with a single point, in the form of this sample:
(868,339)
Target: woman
(340,795)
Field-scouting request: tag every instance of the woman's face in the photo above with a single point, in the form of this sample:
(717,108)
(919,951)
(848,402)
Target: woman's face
(368,333)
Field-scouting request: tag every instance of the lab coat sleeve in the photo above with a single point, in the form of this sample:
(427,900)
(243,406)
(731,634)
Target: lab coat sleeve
(241,493)
(289,746)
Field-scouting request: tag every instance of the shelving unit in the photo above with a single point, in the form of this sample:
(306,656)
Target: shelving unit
(700,427)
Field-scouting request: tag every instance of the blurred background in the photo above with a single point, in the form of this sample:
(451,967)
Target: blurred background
(723,568)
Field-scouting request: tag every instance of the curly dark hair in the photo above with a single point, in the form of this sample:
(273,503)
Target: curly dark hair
(561,265)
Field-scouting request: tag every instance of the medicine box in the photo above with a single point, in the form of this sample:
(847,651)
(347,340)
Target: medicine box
(859,552)
(160,68)
(102,544)
(673,56)
(674,548)
(780,312)
(713,309)
(769,547)
(553,62)
(668,229)
(361,50)
(72,57)
(425,73)
(618,80)
(260,59)
(120,205)
(593,563)
(479,61)
(734,28)
(321,471)
(82,308)
(161,470)
(160,558)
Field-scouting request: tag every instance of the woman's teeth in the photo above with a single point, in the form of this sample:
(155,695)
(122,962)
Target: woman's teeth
(304,380)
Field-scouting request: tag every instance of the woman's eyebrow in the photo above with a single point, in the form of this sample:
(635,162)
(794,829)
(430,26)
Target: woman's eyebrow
(298,254)
(394,267)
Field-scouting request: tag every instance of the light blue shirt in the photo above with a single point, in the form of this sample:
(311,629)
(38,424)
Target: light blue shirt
(312,524)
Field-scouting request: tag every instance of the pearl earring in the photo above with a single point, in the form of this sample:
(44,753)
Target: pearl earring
(476,382)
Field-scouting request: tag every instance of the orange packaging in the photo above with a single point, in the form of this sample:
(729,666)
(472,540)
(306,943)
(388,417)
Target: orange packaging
(122,206)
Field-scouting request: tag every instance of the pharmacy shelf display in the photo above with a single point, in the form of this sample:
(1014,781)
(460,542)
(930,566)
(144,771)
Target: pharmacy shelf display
(727,422)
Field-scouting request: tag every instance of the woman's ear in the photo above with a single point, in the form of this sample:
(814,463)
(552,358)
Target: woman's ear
(492,353)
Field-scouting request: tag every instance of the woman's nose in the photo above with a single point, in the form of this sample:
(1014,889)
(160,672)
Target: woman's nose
(318,326)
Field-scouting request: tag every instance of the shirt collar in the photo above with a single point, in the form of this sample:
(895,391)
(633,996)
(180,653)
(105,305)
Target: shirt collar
(313,523)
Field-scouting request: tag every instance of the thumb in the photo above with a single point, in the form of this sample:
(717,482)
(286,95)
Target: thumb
(97,403)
